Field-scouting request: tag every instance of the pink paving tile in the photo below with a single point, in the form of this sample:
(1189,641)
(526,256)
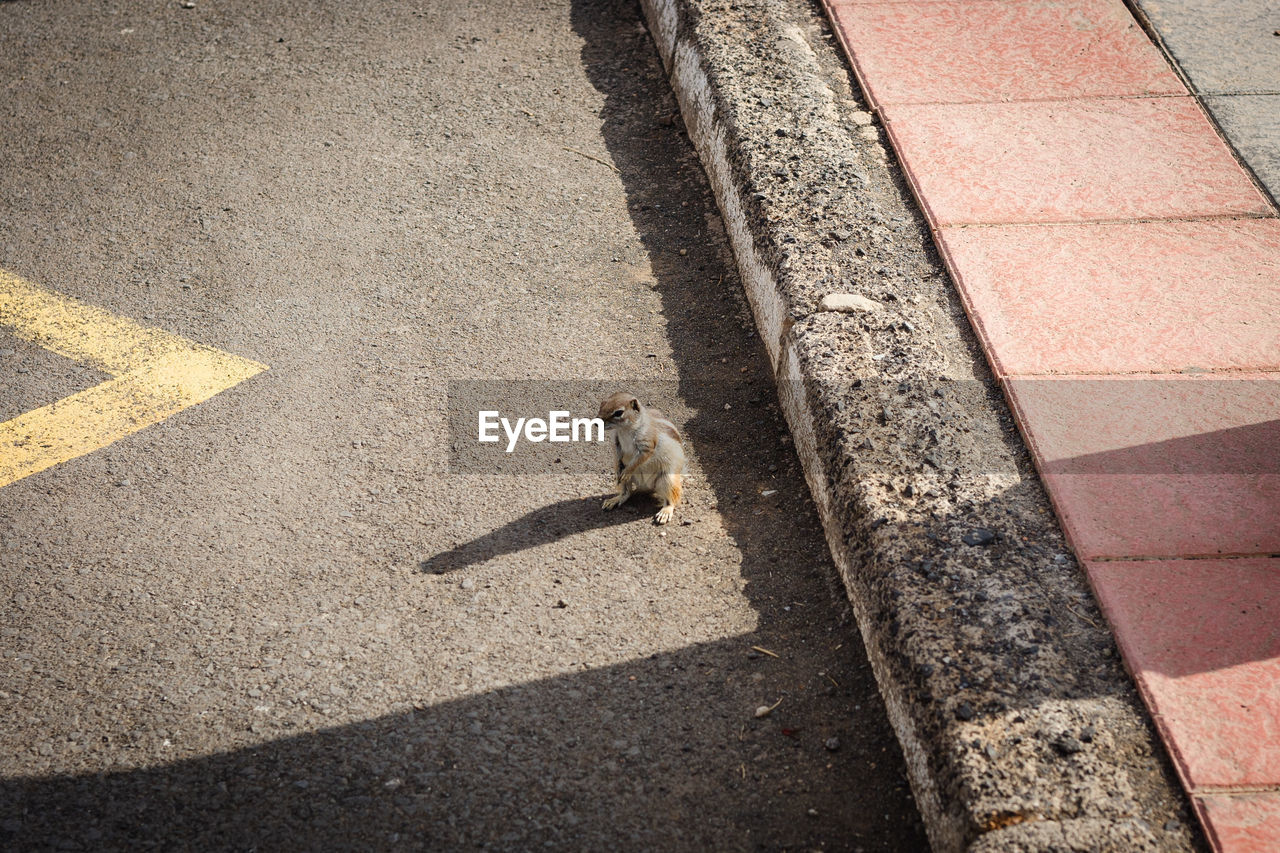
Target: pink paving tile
(1068,161)
(1242,823)
(1158,466)
(1146,297)
(970,52)
(1203,642)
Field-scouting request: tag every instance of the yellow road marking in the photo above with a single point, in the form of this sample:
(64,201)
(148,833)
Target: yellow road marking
(155,374)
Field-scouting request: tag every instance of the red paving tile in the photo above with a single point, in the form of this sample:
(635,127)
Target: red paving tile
(1141,158)
(907,54)
(1243,823)
(1202,639)
(1158,466)
(1122,298)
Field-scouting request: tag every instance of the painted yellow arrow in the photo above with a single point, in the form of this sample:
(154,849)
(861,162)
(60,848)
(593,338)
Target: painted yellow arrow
(155,374)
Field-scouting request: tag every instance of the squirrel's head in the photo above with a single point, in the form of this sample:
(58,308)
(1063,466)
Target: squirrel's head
(620,408)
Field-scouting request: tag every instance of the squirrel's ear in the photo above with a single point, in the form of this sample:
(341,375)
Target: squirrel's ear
(635,404)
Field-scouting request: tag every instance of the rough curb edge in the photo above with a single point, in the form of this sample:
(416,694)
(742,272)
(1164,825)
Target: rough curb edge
(693,91)
(953,819)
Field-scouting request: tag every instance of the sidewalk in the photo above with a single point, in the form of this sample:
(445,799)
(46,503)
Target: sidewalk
(1122,271)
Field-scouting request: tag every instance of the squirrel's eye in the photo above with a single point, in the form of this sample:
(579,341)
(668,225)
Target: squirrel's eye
(617,414)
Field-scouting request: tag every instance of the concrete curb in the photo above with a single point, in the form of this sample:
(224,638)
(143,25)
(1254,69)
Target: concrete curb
(1020,727)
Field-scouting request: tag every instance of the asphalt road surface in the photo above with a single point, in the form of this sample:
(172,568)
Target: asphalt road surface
(288,617)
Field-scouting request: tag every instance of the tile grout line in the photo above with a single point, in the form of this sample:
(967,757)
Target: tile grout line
(1140,220)
(1065,99)
(1263,373)
(1188,558)
(1069,98)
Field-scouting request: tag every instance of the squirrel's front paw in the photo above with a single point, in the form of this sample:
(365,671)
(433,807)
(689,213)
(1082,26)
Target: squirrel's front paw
(613,502)
(664,515)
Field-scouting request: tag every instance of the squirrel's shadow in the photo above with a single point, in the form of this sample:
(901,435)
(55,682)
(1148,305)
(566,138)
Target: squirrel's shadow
(539,527)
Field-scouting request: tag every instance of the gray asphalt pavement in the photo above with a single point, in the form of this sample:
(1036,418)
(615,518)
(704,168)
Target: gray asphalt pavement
(281,618)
